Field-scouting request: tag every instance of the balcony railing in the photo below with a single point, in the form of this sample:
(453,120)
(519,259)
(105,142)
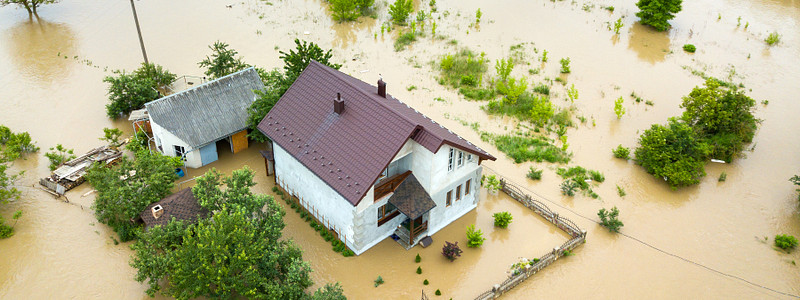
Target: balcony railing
(390,184)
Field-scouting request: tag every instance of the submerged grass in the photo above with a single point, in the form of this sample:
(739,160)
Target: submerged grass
(522,148)
(464,71)
(581,178)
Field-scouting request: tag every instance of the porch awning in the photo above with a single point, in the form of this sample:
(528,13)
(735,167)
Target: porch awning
(411,199)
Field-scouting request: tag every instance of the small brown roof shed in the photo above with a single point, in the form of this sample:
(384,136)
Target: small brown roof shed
(349,147)
(181,206)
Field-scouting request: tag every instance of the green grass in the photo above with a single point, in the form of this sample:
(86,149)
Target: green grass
(464,71)
(404,40)
(542,89)
(535,174)
(527,148)
(578,176)
(528,107)
(773,38)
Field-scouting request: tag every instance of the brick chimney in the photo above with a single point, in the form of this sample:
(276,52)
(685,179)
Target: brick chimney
(338,104)
(381,88)
(157,211)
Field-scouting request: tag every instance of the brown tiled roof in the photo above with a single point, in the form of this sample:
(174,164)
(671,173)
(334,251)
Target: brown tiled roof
(181,205)
(411,199)
(349,150)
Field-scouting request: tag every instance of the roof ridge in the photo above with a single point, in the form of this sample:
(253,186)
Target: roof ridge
(365,93)
(194,88)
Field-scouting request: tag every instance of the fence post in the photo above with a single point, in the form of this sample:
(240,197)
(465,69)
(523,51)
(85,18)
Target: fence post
(555,253)
(555,218)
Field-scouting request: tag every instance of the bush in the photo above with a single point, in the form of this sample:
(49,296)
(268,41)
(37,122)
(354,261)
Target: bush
(491,183)
(689,48)
(619,110)
(475,237)
(531,107)
(451,250)
(378,281)
(621,152)
(274,189)
(773,38)
(400,11)
(527,148)
(348,253)
(404,40)
(785,242)
(418,258)
(464,71)
(608,219)
(58,155)
(657,13)
(565,65)
(568,187)
(597,176)
(535,174)
(542,89)
(438,292)
(419,270)
(722,177)
(349,10)
(796,180)
(502,219)
(425,282)
(621,191)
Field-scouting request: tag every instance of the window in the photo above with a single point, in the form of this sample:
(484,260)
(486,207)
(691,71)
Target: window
(469,157)
(458,192)
(452,157)
(180,152)
(449,199)
(386,213)
(384,174)
(467,186)
(460,158)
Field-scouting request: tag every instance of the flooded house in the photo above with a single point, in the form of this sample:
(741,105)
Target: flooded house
(367,165)
(195,123)
(182,206)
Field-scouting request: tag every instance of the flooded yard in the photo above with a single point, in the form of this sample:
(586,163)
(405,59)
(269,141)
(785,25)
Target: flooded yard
(51,71)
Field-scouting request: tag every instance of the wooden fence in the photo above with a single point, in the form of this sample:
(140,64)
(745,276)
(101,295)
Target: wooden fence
(520,275)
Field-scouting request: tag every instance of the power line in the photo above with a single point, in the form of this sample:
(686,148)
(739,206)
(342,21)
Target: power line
(647,244)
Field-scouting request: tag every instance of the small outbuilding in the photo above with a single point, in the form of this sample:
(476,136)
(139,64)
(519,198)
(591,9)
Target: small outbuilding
(181,206)
(194,123)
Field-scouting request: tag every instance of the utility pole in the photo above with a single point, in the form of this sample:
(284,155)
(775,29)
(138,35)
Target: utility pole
(139,30)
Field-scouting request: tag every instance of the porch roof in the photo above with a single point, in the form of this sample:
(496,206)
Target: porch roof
(411,199)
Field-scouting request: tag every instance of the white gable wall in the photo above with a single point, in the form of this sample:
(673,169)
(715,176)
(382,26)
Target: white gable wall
(167,141)
(443,181)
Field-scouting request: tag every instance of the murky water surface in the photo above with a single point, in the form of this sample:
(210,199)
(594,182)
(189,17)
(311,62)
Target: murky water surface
(51,71)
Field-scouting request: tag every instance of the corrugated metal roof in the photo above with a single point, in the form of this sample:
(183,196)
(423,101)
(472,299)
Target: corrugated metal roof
(349,150)
(210,111)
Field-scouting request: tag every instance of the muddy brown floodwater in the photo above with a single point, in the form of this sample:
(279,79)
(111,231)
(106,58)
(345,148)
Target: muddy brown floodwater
(51,71)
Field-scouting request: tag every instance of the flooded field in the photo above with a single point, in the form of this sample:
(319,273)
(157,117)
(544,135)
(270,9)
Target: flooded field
(51,71)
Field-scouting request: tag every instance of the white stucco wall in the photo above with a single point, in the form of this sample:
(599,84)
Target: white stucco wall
(169,140)
(443,181)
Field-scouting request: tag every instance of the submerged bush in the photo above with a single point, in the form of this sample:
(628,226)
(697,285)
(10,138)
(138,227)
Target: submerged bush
(451,250)
(535,174)
(502,219)
(527,148)
(689,48)
(609,219)
(785,242)
(474,237)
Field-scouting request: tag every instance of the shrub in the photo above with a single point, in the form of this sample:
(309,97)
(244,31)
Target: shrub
(619,110)
(689,48)
(722,177)
(568,187)
(572,92)
(657,13)
(542,89)
(451,250)
(535,174)
(400,11)
(419,270)
(796,180)
(404,40)
(378,281)
(621,152)
(502,219)
(608,219)
(527,148)
(464,71)
(565,65)
(492,184)
(348,253)
(475,237)
(621,191)
(349,10)
(597,176)
(438,292)
(58,155)
(785,242)
(274,189)
(418,258)
(773,38)
(425,282)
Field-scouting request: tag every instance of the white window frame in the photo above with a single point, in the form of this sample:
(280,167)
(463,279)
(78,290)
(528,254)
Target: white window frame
(451,161)
(469,157)
(180,151)
(460,159)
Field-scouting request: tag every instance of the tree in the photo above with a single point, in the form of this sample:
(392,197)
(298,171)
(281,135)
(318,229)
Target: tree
(12,146)
(124,190)
(609,219)
(619,110)
(344,10)
(297,60)
(127,92)
(722,117)
(400,11)
(237,253)
(160,76)
(223,61)
(796,180)
(29,5)
(673,152)
(657,13)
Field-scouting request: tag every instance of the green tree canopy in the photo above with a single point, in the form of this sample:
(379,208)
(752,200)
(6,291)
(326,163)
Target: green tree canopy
(29,5)
(124,190)
(722,117)
(400,10)
(298,59)
(673,152)
(223,61)
(657,13)
(236,253)
(129,92)
(12,146)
